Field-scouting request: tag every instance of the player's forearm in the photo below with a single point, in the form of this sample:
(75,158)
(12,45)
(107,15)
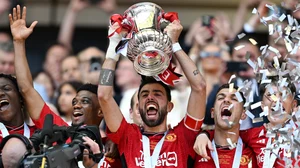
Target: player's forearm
(111,111)
(67,27)
(105,88)
(21,67)
(191,72)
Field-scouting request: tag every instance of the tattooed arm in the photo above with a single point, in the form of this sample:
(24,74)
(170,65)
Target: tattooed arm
(197,100)
(112,114)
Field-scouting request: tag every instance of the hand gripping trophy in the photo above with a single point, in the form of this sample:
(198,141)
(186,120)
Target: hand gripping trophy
(146,45)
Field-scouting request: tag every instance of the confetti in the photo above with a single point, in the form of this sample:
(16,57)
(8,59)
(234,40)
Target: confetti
(231,77)
(241,35)
(288,45)
(290,20)
(288,30)
(254,11)
(251,63)
(273,50)
(254,106)
(276,62)
(231,85)
(266,81)
(239,47)
(271,29)
(265,111)
(282,17)
(249,114)
(230,143)
(257,120)
(274,98)
(252,41)
(230,106)
(238,96)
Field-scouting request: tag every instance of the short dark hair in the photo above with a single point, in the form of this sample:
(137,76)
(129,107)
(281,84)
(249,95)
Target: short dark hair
(263,87)
(227,86)
(88,87)
(150,80)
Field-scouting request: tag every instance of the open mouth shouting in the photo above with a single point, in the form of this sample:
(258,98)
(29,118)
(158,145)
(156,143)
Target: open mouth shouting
(152,110)
(77,114)
(225,113)
(4,104)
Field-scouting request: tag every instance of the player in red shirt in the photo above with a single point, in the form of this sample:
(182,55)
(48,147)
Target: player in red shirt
(12,114)
(153,146)
(86,106)
(229,149)
(256,137)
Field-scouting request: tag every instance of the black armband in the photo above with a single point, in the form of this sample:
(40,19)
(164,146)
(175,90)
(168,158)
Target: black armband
(106,77)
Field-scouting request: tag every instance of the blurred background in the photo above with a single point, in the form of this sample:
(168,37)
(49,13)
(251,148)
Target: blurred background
(92,22)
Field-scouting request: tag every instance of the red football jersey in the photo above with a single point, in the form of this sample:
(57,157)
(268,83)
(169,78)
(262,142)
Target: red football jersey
(57,120)
(257,140)
(38,123)
(110,163)
(18,130)
(226,158)
(177,149)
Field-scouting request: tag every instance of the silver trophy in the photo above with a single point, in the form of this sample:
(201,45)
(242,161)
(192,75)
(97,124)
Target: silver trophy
(149,49)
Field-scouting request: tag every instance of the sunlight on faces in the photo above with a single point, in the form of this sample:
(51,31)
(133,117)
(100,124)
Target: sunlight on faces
(288,103)
(153,104)
(221,111)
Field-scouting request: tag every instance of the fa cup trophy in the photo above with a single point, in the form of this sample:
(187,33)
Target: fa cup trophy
(147,46)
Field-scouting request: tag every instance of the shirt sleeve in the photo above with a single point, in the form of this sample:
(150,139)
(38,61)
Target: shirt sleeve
(57,120)
(120,133)
(256,139)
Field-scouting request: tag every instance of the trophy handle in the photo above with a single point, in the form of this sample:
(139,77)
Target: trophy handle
(171,16)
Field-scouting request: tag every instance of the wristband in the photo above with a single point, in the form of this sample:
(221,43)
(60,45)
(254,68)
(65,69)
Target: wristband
(176,47)
(111,53)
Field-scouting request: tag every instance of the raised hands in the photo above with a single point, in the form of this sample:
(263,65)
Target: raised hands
(173,30)
(18,27)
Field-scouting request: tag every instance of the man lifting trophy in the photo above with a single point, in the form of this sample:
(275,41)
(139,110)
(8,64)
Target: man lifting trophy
(147,46)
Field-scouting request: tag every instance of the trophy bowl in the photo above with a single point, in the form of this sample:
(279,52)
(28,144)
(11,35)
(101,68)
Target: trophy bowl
(150,52)
(150,49)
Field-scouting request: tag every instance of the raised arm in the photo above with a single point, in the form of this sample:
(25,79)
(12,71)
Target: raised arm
(112,114)
(67,26)
(197,100)
(34,102)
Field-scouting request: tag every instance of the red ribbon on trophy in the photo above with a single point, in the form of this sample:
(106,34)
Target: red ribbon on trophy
(137,22)
(169,76)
